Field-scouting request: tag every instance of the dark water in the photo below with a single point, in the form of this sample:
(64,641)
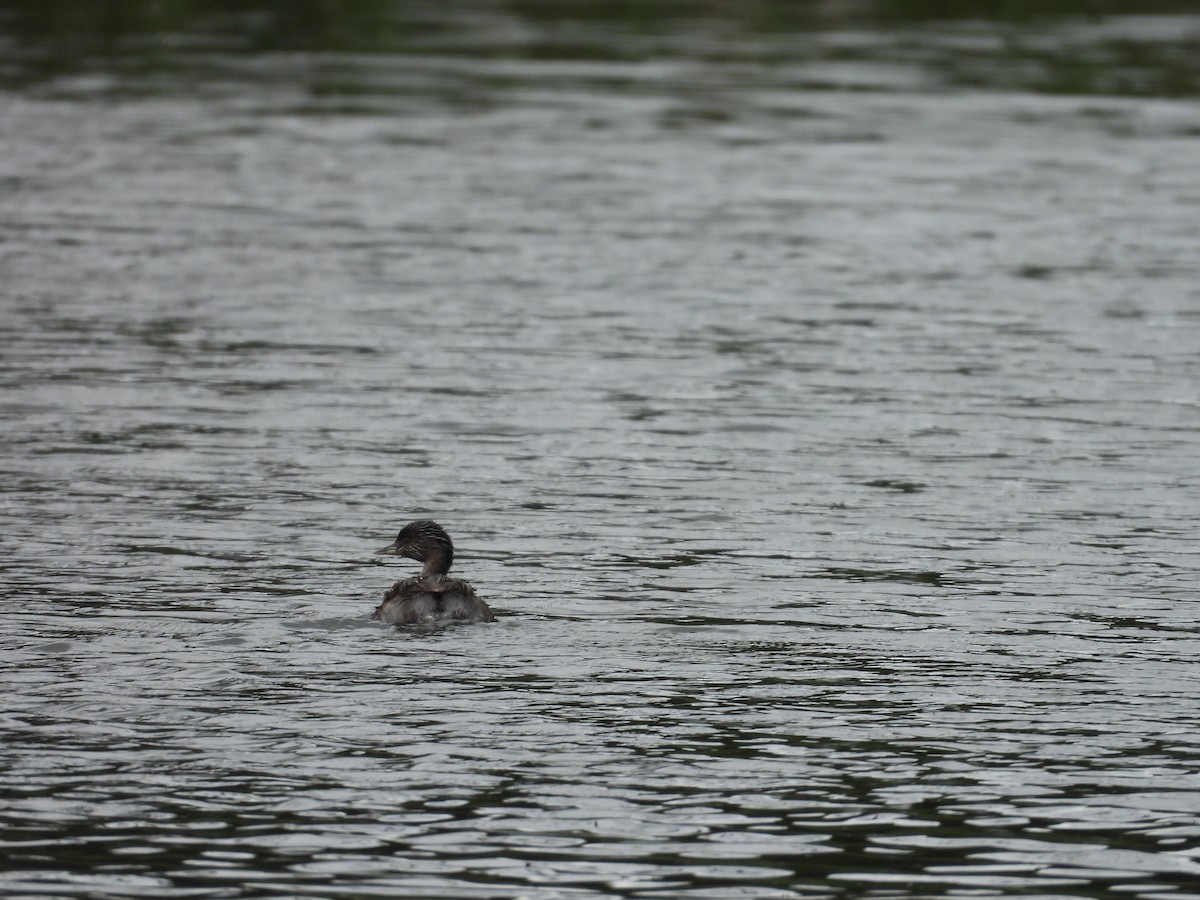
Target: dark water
(823,430)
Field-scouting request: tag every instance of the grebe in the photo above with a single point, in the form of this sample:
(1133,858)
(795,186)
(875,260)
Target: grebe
(431,596)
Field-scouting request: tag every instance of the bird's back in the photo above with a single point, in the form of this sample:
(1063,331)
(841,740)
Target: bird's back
(431,598)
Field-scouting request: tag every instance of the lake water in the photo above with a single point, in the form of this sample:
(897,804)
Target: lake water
(822,429)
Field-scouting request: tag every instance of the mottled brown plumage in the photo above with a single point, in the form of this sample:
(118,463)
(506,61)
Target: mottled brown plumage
(431,596)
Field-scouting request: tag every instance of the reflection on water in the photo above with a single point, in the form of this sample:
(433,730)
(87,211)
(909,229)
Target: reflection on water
(822,433)
(1066,46)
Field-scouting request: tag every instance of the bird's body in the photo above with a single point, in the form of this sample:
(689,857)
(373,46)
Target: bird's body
(432,596)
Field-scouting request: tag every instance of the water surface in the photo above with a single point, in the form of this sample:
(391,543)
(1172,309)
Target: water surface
(822,428)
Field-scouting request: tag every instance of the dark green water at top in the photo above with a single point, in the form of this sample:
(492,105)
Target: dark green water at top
(1066,46)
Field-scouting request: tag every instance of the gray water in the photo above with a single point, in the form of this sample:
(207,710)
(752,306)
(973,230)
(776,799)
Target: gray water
(823,434)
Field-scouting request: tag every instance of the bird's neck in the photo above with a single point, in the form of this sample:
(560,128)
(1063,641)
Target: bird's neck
(437,563)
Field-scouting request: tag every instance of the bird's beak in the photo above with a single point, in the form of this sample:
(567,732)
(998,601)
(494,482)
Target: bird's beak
(392,549)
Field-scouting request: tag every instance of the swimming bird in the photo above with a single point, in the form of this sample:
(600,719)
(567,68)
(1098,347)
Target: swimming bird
(431,596)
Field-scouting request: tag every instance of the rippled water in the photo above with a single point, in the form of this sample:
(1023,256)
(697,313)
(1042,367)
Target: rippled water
(825,440)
